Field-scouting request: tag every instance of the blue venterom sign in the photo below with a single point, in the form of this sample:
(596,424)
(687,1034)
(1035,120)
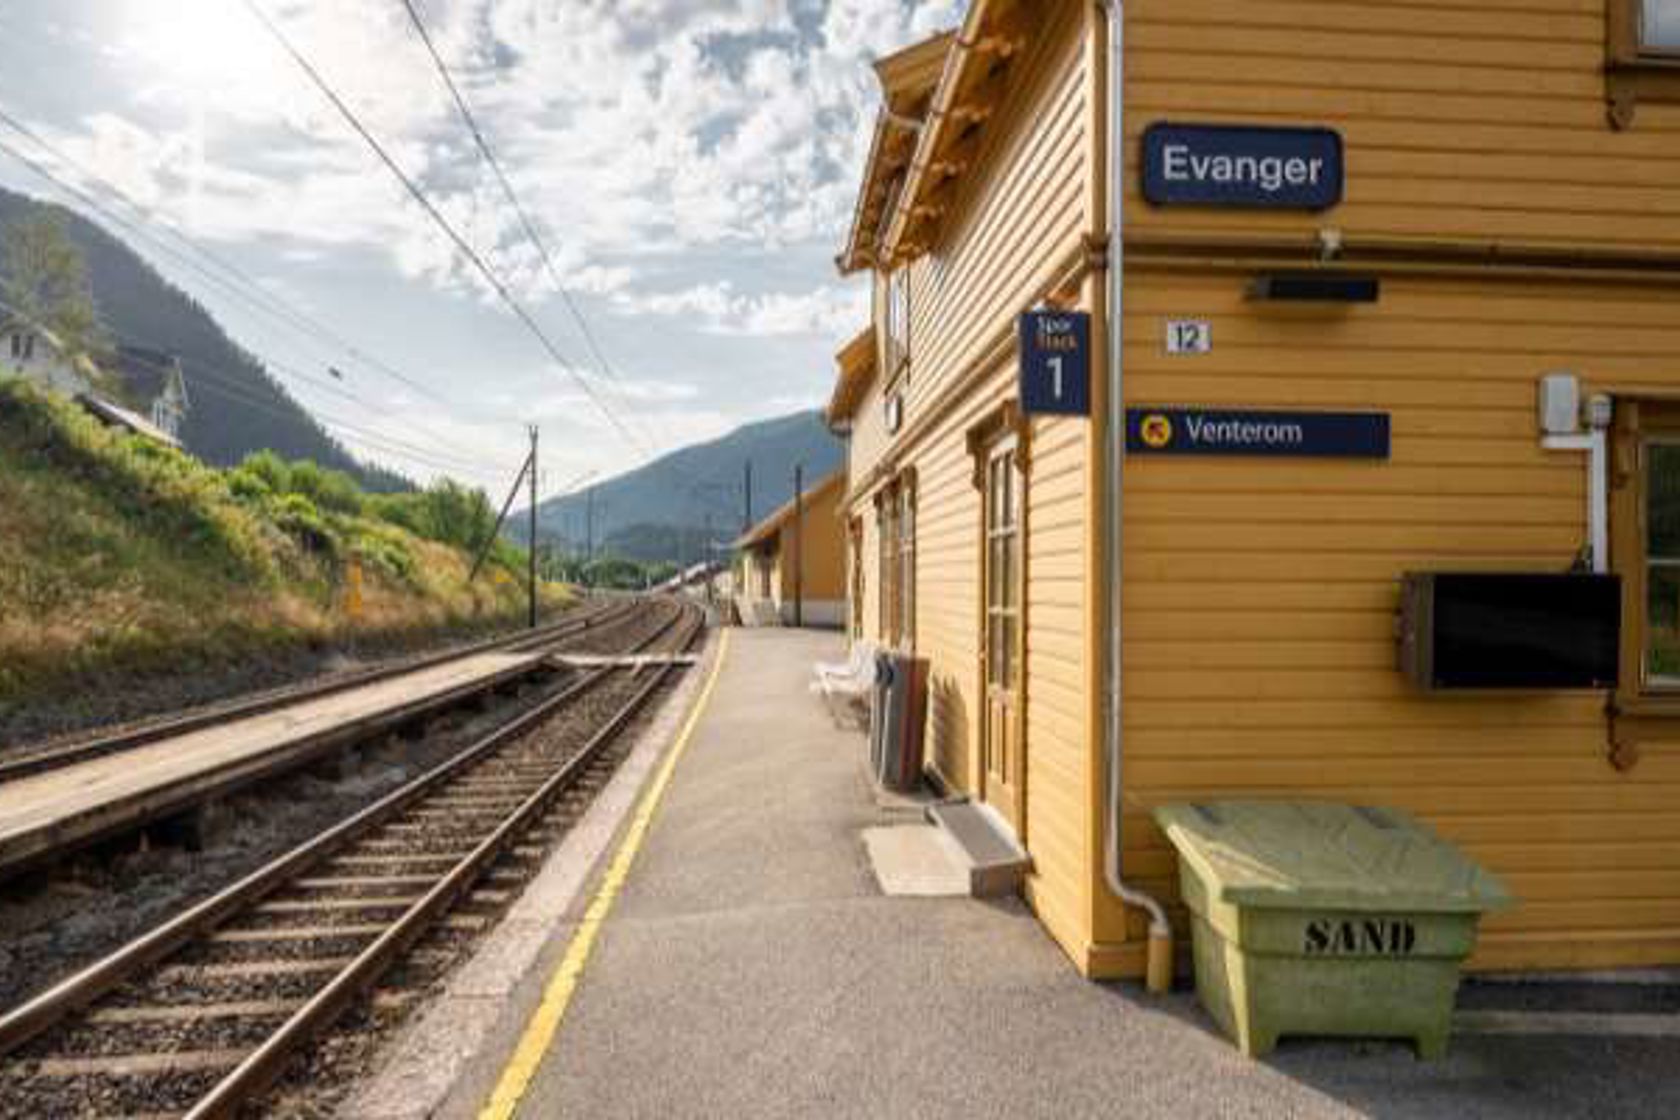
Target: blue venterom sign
(1219,431)
(1239,165)
(1055,352)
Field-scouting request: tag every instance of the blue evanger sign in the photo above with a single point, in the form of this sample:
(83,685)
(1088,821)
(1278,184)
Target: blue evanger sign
(1229,165)
(1055,351)
(1217,431)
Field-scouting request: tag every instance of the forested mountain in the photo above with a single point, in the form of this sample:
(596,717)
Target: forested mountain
(237,407)
(644,513)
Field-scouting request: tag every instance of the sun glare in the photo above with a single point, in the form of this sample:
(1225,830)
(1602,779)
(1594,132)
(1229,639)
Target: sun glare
(212,48)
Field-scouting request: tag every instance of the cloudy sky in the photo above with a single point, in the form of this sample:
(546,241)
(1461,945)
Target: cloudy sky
(690,163)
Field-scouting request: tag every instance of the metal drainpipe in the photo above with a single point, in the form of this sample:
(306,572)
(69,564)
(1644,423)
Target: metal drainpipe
(1159,967)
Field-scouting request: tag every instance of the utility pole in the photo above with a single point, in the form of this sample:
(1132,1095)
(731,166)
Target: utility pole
(589,528)
(799,544)
(746,523)
(706,558)
(533,557)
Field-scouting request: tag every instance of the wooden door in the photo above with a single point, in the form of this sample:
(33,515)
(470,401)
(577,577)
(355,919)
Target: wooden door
(1001,752)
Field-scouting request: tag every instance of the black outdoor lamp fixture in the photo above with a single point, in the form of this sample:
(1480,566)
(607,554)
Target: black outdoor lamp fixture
(1314,287)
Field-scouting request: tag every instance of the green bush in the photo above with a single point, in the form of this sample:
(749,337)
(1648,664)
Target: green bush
(270,469)
(446,512)
(155,484)
(248,485)
(234,514)
(297,516)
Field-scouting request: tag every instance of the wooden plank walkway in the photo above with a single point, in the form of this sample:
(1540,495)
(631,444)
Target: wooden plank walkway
(63,808)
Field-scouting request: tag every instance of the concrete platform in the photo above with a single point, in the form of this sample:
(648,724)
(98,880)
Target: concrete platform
(751,965)
(47,812)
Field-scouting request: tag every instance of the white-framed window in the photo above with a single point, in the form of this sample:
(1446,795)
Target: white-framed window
(898,323)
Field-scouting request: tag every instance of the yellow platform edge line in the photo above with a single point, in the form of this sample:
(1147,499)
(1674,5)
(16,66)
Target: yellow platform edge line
(538,1036)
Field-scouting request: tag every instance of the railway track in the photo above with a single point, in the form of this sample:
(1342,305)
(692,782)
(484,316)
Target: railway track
(23,761)
(77,802)
(198,1015)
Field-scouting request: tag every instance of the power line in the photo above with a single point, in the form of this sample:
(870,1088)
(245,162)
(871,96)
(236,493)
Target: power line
(278,310)
(263,300)
(525,222)
(201,377)
(202,369)
(438,219)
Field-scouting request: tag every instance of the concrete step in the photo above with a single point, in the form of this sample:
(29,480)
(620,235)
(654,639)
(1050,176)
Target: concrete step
(983,844)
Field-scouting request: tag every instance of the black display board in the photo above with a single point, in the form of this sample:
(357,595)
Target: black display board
(1482,630)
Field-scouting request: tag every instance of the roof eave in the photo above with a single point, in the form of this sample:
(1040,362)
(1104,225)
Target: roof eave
(972,42)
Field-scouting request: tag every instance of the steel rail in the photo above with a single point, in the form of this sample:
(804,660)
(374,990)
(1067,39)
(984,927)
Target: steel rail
(134,808)
(213,716)
(262,1067)
(51,1007)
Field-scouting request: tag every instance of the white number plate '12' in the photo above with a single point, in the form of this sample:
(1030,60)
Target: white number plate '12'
(1189,336)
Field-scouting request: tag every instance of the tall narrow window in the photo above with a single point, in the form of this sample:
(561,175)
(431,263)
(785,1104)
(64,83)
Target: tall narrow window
(907,565)
(898,324)
(856,533)
(1662,562)
(1002,563)
(887,543)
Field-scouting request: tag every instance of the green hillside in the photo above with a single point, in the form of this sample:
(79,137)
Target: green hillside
(121,558)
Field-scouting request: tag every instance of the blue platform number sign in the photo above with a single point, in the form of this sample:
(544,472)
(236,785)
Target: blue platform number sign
(1055,363)
(1242,166)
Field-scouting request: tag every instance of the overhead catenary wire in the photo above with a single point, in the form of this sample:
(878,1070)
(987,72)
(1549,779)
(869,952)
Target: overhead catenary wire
(200,376)
(242,285)
(529,228)
(297,320)
(526,224)
(414,190)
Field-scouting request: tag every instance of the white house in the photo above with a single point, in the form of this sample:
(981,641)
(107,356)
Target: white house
(37,353)
(155,377)
(150,377)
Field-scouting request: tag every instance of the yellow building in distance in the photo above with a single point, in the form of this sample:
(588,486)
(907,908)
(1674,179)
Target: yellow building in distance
(1344,246)
(792,569)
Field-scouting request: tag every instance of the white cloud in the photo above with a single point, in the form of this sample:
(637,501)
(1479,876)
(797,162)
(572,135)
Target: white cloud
(630,127)
(691,165)
(826,312)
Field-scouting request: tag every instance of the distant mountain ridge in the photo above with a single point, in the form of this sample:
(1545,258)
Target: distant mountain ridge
(237,407)
(666,505)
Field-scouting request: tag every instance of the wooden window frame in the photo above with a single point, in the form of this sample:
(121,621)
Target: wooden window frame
(895,338)
(1640,711)
(1633,71)
(1003,458)
(895,522)
(886,551)
(855,556)
(906,566)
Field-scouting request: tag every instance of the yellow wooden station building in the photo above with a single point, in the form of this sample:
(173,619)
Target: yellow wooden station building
(792,570)
(1343,293)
